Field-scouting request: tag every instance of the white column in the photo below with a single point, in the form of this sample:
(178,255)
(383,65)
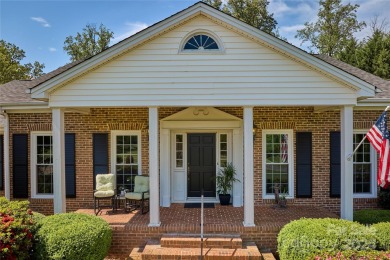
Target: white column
(346,203)
(165,176)
(249,211)
(153,168)
(237,162)
(58,160)
(7,180)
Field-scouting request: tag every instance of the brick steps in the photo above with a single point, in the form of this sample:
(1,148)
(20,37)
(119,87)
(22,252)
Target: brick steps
(188,247)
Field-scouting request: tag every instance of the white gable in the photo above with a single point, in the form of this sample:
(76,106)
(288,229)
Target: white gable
(245,73)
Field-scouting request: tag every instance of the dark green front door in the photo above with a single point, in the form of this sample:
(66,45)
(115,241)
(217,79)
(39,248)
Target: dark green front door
(201,165)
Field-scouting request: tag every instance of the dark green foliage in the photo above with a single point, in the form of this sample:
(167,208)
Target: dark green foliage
(225,179)
(371,216)
(252,12)
(353,255)
(16,223)
(73,236)
(382,231)
(333,31)
(303,238)
(384,199)
(10,66)
(91,41)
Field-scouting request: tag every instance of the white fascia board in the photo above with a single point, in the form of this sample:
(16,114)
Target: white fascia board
(41,91)
(373,104)
(364,89)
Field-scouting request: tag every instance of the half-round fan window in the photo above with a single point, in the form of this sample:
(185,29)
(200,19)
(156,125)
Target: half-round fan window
(201,42)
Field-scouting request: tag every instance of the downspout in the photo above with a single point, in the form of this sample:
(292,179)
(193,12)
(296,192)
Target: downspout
(7,189)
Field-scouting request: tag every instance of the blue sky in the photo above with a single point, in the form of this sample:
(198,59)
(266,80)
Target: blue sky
(40,27)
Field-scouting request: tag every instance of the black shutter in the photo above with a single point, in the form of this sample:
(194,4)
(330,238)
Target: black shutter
(20,165)
(335,164)
(304,164)
(70,165)
(100,154)
(1,162)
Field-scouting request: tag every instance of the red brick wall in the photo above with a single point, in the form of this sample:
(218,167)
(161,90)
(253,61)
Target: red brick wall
(102,120)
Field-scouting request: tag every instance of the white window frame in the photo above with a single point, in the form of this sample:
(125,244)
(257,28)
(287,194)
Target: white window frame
(290,144)
(114,134)
(374,169)
(184,140)
(33,163)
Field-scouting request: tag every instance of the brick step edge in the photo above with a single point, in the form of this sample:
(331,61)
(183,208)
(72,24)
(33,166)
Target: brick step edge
(154,251)
(211,242)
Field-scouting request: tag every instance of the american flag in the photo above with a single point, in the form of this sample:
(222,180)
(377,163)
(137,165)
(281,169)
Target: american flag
(379,137)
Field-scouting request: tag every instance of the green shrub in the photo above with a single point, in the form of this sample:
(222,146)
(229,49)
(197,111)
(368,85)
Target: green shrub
(384,199)
(73,236)
(371,216)
(353,255)
(16,222)
(382,231)
(306,237)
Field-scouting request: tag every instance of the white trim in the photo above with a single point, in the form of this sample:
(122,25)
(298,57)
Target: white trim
(373,168)
(33,162)
(114,134)
(7,183)
(290,144)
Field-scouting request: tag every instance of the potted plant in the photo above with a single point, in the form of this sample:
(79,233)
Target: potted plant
(282,199)
(225,179)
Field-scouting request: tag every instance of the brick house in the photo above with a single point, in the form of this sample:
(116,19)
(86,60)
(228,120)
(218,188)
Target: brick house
(178,101)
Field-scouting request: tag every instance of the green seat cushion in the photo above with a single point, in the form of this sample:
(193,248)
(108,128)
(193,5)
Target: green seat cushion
(105,182)
(136,196)
(104,193)
(141,183)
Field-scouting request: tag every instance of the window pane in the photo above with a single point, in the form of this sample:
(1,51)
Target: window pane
(276,162)
(179,163)
(179,138)
(362,165)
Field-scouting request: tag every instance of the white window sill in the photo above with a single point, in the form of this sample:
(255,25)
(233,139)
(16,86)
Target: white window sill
(270,197)
(37,196)
(364,196)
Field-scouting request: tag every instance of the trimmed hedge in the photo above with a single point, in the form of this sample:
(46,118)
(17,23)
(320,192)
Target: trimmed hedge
(382,231)
(16,224)
(303,238)
(73,236)
(371,216)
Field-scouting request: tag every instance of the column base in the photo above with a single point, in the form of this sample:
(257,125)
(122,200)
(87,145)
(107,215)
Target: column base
(154,224)
(248,224)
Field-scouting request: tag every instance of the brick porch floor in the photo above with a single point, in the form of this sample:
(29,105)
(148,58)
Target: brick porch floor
(131,229)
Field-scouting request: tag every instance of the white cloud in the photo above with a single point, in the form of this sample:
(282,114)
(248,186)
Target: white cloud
(292,28)
(130,29)
(51,49)
(41,21)
(305,9)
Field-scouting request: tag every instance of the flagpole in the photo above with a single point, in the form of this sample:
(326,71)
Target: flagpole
(361,142)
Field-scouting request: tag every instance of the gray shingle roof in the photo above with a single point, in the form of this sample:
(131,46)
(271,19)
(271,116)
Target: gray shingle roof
(16,91)
(383,85)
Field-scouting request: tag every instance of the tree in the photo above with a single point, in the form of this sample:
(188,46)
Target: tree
(334,28)
(374,54)
(253,12)
(91,41)
(10,66)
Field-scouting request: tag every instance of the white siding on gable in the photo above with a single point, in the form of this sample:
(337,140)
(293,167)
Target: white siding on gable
(245,73)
